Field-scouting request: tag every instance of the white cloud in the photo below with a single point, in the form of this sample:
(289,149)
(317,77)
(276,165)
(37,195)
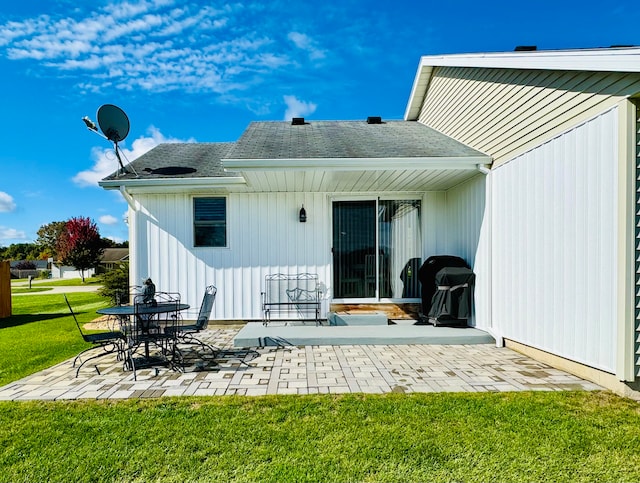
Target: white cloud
(306,43)
(105,161)
(12,234)
(6,202)
(108,220)
(297,108)
(157,46)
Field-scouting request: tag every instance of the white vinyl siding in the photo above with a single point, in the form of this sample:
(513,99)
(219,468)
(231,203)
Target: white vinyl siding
(554,252)
(467,236)
(264,237)
(505,112)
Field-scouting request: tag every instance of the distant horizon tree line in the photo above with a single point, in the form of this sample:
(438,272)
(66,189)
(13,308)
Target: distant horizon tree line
(75,242)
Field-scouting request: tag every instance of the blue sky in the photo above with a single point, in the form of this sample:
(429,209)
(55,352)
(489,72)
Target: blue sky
(202,70)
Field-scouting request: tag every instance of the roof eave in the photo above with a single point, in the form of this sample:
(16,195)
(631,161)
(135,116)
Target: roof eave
(357,164)
(192,183)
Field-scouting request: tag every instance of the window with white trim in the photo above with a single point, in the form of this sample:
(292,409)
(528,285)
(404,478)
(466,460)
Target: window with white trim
(210,221)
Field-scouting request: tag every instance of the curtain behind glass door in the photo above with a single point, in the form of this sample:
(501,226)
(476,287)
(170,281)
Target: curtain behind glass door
(400,247)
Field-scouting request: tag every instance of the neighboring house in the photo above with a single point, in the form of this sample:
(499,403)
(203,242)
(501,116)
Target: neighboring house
(65,271)
(39,267)
(112,258)
(522,163)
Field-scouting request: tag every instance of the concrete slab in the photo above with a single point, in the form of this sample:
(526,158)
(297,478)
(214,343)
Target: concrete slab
(255,334)
(340,319)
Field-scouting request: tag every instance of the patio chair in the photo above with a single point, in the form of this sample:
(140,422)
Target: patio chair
(186,334)
(110,342)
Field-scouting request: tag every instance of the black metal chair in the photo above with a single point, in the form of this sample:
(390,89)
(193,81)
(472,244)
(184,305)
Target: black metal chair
(186,334)
(110,342)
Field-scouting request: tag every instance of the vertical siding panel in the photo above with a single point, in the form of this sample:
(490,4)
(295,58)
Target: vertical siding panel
(554,245)
(465,217)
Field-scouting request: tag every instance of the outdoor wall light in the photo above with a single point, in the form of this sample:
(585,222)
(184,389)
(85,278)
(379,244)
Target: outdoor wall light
(303,215)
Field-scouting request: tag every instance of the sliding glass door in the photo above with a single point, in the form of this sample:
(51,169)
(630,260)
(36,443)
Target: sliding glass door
(376,249)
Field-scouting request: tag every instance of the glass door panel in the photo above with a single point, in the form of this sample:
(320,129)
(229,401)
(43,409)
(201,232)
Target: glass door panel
(354,240)
(377,246)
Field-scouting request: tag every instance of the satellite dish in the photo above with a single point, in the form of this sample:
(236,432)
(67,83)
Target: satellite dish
(113,122)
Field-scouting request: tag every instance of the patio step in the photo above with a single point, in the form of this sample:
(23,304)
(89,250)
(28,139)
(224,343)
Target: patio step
(341,319)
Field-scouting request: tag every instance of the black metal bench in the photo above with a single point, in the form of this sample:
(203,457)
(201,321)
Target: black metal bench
(291,297)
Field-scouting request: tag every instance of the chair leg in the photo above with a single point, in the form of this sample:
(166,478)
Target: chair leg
(104,353)
(192,340)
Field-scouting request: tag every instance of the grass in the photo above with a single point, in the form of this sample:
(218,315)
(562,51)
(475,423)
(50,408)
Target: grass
(519,436)
(30,290)
(568,436)
(41,332)
(39,285)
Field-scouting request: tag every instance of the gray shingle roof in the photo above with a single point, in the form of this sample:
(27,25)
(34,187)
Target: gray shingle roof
(281,140)
(345,139)
(179,160)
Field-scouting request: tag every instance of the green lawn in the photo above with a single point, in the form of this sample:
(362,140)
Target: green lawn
(39,285)
(41,332)
(569,436)
(520,436)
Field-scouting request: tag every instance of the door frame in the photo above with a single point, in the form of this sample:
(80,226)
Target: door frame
(372,197)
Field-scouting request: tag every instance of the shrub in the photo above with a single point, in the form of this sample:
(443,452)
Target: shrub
(115,284)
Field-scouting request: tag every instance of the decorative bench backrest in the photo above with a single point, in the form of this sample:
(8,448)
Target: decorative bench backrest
(297,293)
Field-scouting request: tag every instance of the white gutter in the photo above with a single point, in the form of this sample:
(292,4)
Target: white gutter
(192,183)
(484,168)
(357,164)
(128,198)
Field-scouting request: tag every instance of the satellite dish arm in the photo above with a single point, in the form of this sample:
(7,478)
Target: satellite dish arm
(120,160)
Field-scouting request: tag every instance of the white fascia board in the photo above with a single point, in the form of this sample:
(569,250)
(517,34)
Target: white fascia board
(591,60)
(181,183)
(356,164)
(418,91)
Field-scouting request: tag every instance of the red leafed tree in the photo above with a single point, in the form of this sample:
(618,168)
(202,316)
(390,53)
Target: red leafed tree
(79,244)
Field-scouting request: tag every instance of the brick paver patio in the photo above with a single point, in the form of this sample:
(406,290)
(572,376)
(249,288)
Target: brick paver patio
(304,370)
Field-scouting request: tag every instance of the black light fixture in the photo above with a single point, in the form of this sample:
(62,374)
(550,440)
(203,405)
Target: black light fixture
(303,215)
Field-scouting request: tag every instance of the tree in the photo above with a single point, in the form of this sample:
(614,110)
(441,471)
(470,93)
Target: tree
(20,251)
(80,245)
(115,284)
(48,237)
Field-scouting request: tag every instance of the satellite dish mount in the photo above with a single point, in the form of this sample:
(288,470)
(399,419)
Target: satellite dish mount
(114,125)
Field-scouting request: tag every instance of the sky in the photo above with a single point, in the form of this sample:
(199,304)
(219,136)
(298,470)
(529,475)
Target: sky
(201,71)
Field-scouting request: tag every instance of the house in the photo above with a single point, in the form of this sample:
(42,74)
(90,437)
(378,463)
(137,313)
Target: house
(522,163)
(112,258)
(18,271)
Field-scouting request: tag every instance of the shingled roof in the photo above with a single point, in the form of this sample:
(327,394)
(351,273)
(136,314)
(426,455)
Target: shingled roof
(178,160)
(345,139)
(406,155)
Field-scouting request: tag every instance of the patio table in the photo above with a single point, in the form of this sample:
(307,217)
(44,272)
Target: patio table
(141,325)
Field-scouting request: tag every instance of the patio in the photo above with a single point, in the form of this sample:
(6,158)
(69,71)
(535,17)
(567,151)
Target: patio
(310,369)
